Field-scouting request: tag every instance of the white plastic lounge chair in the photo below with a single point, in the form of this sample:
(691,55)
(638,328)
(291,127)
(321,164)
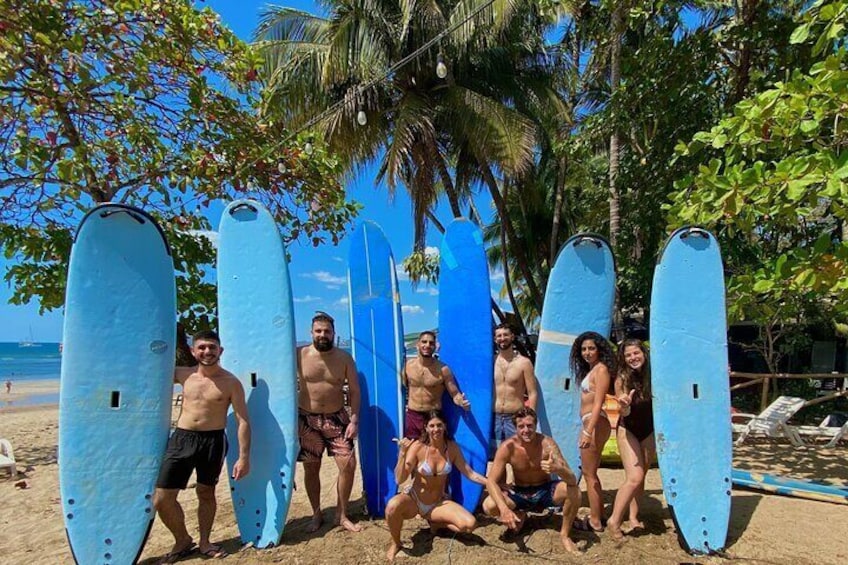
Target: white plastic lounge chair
(772,422)
(809,434)
(7,458)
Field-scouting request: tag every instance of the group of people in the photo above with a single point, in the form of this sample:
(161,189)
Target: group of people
(541,477)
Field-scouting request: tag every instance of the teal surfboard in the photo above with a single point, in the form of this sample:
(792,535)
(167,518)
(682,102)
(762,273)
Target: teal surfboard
(376,331)
(787,486)
(465,338)
(116,382)
(256,319)
(579,298)
(691,388)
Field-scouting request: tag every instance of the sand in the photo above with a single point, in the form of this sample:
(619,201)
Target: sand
(764,528)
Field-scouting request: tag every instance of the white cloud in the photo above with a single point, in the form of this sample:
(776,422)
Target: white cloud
(331,281)
(401,274)
(212,236)
(412,309)
(307,298)
(432,251)
(343,301)
(338,259)
(497,276)
(431,290)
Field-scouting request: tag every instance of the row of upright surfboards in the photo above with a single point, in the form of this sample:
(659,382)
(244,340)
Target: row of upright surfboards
(118,363)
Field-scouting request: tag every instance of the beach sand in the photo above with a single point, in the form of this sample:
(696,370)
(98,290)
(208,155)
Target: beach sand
(764,528)
(22,390)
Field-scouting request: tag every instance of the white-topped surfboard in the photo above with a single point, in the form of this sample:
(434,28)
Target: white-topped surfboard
(691,388)
(465,332)
(116,382)
(579,298)
(377,347)
(256,318)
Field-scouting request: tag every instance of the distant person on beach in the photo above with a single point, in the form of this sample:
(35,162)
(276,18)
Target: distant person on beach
(426,379)
(429,460)
(592,363)
(635,432)
(199,444)
(534,458)
(323,421)
(8,386)
(514,381)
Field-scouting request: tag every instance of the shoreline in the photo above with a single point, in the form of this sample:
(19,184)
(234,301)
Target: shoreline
(45,392)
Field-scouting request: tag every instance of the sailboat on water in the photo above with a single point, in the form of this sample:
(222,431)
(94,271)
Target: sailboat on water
(29,342)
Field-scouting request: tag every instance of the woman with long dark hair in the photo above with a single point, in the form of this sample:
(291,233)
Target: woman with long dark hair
(429,461)
(635,431)
(592,363)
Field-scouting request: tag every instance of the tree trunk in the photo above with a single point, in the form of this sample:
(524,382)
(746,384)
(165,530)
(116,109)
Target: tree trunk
(615,79)
(559,188)
(506,223)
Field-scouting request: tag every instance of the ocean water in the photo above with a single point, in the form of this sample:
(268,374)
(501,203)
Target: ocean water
(41,361)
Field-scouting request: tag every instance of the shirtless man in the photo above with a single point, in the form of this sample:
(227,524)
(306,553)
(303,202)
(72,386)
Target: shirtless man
(533,457)
(514,379)
(323,421)
(199,444)
(425,379)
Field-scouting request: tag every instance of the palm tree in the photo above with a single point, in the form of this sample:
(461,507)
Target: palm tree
(435,136)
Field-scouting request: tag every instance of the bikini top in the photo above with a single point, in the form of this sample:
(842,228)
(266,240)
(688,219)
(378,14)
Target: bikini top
(585,385)
(425,470)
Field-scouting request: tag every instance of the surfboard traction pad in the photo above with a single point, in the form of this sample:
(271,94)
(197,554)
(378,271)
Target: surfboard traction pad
(682,483)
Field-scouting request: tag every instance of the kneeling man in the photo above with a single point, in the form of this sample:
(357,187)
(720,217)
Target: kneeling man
(534,457)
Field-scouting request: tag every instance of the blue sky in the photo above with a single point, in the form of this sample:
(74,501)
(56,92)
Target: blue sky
(317,274)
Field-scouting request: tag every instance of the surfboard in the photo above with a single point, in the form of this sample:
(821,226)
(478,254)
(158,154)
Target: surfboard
(116,381)
(691,388)
(376,331)
(790,487)
(465,338)
(580,296)
(256,320)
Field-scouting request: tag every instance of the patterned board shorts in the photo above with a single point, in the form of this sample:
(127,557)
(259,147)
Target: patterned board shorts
(323,431)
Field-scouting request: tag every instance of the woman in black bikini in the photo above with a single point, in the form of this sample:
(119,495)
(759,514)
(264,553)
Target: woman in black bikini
(635,431)
(592,363)
(429,461)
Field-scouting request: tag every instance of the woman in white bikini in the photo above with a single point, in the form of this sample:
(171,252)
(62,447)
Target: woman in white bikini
(592,362)
(429,461)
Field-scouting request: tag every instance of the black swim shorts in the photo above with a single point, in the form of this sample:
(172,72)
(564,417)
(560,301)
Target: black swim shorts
(190,450)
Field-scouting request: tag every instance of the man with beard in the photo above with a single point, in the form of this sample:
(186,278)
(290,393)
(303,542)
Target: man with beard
(425,379)
(199,444)
(514,380)
(322,371)
(533,457)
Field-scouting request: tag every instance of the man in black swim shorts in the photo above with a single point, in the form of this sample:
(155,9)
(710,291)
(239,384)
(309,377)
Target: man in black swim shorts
(199,444)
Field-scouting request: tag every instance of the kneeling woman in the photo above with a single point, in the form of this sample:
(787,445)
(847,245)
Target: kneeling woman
(430,461)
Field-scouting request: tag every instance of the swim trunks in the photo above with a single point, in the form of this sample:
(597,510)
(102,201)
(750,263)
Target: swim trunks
(504,426)
(192,450)
(533,497)
(413,424)
(323,431)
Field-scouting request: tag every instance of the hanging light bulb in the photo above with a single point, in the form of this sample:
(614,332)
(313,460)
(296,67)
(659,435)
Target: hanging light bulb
(361,117)
(282,168)
(308,148)
(441,67)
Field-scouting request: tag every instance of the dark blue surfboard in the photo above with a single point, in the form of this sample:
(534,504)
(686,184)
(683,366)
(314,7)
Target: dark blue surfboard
(691,388)
(377,347)
(465,337)
(116,382)
(579,297)
(256,319)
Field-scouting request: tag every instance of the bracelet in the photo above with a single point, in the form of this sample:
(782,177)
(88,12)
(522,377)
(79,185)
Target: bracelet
(585,433)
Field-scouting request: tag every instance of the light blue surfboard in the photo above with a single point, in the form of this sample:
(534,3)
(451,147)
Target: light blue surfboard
(256,320)
(788,486)
(116,382)
(691,388)
(376,332)
(465,338)
(579,298)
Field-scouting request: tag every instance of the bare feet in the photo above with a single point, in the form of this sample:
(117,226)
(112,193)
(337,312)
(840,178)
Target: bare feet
(345,523)
(393,551)
(569,545)
(636,525)
(615,530)
(316,523)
